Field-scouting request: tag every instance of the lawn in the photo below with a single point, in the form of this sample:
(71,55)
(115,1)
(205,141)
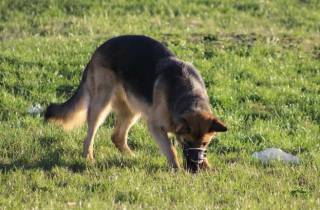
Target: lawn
(261,64)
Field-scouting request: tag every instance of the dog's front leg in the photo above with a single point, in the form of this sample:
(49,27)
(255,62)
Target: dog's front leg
(166,147)
(205,165)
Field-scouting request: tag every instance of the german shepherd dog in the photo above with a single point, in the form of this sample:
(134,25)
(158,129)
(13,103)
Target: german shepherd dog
(137,76)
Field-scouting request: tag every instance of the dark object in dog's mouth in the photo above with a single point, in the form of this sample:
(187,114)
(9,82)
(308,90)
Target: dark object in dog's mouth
(194,157)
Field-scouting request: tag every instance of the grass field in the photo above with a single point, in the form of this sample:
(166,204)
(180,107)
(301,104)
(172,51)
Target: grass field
(260,61)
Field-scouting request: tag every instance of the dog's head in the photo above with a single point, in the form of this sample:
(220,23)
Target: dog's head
(195,131)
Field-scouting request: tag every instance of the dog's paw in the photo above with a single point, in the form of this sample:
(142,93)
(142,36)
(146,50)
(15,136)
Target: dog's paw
(205,165)
(127,151)
(88,156)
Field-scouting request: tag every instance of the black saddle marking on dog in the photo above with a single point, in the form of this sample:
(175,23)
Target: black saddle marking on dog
(134,58)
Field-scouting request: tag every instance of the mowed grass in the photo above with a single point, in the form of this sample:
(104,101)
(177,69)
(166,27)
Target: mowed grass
(260,61)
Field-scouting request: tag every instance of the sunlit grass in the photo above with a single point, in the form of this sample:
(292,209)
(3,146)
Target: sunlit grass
(260,62)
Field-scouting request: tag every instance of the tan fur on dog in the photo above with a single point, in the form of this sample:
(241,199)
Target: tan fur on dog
(179,103)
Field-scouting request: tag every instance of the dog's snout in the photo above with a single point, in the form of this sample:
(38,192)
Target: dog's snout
(194,157)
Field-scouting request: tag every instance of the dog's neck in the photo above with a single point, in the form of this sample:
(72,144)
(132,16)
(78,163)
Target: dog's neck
(190,103)
(185,88)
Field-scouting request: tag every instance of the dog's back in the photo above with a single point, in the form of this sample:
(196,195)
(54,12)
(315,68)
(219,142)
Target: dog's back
(138,61)
(134,60)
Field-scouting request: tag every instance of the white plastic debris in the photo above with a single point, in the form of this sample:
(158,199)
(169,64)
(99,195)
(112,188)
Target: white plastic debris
(35,109)
(275,154)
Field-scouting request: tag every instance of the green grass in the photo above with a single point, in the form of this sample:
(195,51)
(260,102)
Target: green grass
(260,61)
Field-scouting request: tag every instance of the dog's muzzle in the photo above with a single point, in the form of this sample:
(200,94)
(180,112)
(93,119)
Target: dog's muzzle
(194,157)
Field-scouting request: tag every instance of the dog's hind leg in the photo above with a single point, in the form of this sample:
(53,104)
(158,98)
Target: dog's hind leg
(98,111)
(125,118)
(101,89)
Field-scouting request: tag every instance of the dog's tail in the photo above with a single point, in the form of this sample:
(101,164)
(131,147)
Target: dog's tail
(73,112)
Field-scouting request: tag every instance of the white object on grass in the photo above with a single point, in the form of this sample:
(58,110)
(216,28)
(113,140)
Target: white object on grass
(35,109)
(275,154)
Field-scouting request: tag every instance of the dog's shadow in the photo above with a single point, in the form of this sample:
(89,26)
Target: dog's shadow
(53,151)
(53,157)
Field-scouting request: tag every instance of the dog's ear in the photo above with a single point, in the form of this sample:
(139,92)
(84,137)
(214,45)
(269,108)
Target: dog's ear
(182,127)
(217,126)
